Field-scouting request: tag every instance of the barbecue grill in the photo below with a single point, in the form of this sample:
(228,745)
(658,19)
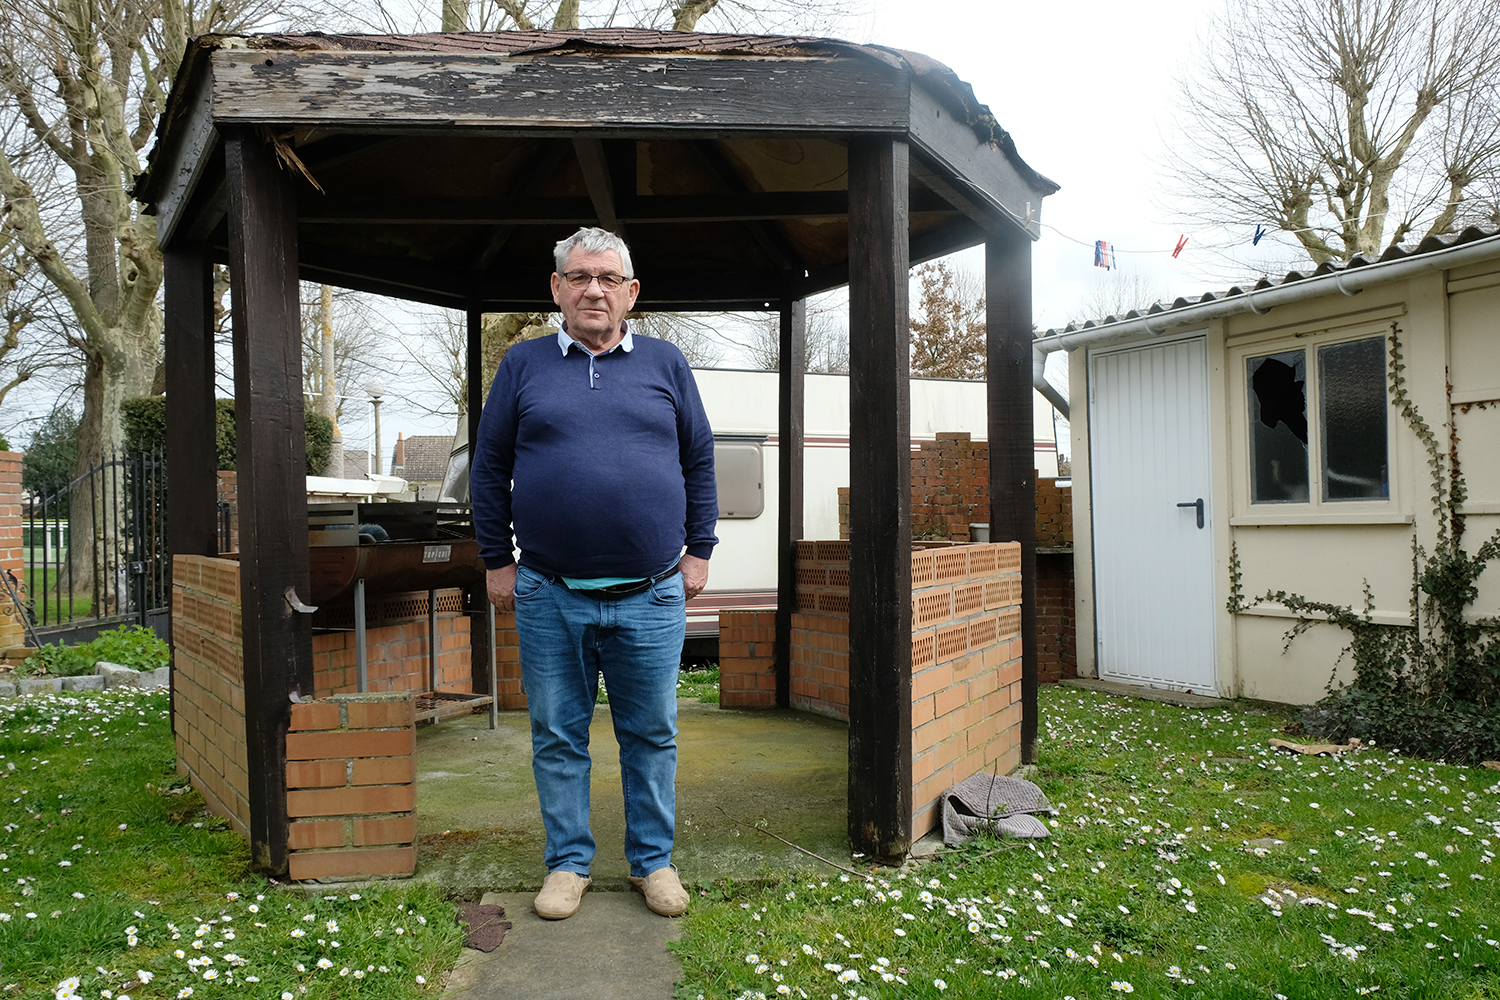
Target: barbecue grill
(360,550)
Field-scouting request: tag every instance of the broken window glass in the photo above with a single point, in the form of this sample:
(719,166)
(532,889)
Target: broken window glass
(1352,418)
(1278,427)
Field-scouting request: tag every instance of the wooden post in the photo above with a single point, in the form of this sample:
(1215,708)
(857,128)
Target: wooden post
(481,623)
(1007,290)
(792,382)
(879,500)
(272,466)
(192,493)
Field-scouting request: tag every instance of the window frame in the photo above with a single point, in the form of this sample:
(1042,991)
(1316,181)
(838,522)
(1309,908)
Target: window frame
(1315,510)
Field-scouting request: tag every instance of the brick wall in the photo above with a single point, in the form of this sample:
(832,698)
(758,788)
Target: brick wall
(208,684)
(351,793)
(966,669)
(966,658)
(1056,626)
(229,493)
(396,651)
(1054,514)
(746,641)
(12,555)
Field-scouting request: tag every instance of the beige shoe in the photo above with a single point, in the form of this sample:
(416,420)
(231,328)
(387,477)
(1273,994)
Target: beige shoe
(561,895)
(664,893)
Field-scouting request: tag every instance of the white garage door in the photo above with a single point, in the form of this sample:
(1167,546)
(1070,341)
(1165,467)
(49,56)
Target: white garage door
(1150,483)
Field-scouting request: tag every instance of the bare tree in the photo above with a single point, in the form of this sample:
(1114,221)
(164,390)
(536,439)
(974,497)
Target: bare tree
(947,337)
(1115,293)
(361,342)
(1348,124)
(827,339)
(693,333)
(817,16)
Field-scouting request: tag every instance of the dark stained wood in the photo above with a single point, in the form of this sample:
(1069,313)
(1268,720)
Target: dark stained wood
(476,598)
(879,501)
(990,176)
(726,180)
(271,462)
(192,493)
(492,90)
(727,206)
(180,163)
(545,167)
(790,407)
(1007,289)
(595,167)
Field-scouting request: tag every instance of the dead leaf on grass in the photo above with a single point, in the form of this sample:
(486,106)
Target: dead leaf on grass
(1316,748)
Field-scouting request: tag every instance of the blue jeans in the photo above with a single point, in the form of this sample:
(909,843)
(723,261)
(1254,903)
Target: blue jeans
(567,641)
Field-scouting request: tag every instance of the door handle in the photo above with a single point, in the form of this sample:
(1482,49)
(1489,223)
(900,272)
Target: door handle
(1198,504)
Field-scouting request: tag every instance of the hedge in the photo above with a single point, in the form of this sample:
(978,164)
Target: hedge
(145,420)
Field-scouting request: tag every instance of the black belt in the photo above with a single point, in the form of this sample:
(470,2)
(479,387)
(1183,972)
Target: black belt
(615,591)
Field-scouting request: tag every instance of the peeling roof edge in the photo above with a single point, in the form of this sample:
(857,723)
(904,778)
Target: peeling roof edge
(1396,261)
(940,79)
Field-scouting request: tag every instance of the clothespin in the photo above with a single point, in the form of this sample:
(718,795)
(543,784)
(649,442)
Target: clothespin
(1103,254)
(1259,232)
(1181,242)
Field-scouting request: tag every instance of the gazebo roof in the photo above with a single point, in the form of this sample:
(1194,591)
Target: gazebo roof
(442,167)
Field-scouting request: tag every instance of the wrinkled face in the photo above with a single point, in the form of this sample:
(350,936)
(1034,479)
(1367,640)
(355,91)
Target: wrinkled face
(593,313)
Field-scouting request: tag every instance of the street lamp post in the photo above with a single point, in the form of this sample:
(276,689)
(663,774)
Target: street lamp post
(376,391)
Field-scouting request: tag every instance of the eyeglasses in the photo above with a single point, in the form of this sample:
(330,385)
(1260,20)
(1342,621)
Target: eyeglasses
(581,280)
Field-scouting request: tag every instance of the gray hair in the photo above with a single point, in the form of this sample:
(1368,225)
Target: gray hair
(591,239)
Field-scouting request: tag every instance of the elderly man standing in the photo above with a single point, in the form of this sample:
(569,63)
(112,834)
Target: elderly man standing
(595,451)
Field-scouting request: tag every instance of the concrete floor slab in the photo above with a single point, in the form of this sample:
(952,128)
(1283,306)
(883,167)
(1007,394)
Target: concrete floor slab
(1182,699)
(479,827)
(621,940)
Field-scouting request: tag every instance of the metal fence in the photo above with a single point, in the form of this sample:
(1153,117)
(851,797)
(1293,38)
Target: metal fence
(96,551)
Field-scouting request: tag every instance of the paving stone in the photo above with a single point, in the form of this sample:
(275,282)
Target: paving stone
(624,942)
(86,682)
(7,689)
(159,678)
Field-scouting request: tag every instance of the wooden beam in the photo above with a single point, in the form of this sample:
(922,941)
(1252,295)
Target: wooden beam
(879,501)
(591,161)
(992,175)
(1007,292)
(772,240)
(188,335)
(528,210)
(553,92)
(272,466)
(790,406)
(555,153)
(179,163)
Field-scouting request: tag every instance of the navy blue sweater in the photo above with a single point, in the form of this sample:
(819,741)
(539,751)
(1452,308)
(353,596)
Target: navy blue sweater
(608,480)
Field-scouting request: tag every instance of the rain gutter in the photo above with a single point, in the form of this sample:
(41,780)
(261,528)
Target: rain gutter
(1349,281)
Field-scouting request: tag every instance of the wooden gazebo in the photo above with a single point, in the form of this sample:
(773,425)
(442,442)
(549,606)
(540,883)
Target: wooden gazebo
(747,172)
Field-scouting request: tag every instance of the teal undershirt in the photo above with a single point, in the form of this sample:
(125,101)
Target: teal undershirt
(599,582)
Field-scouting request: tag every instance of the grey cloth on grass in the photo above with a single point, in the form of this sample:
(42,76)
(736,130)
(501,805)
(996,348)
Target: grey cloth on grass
(1010,803)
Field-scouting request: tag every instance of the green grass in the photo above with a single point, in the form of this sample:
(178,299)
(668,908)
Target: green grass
(51,607)
(1151,882)
(108,862)
(700,684)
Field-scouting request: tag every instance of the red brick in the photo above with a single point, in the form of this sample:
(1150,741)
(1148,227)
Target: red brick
(330,864)
(316,833)
(384,771)
(315,715)
(316,773)
(355,743)
(352,801)
(393,830)
(381,714)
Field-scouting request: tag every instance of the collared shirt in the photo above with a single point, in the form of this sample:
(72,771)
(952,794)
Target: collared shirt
(566,342)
